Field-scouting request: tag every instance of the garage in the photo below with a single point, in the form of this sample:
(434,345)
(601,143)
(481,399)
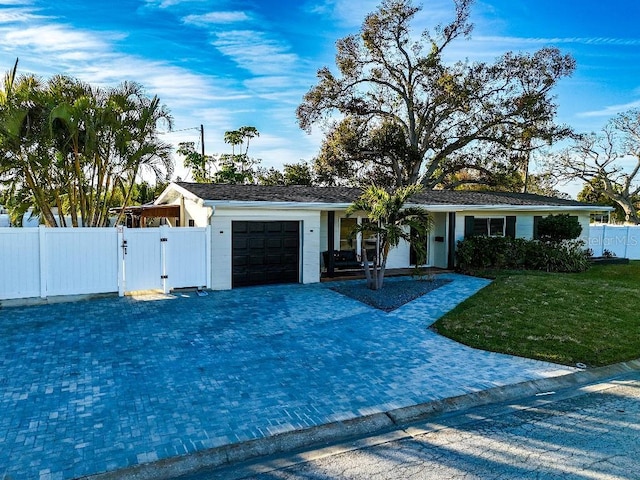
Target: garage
(265,253)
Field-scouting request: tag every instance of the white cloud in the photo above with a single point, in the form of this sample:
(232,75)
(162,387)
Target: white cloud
(177,87)
(351,14)
(214,18)
(559,40)
(78,56)
(488,47)
(282,89)
(52,38)
(346,12)
(255,52)
(268,83)
(18,15)
(170,3)
(611,110)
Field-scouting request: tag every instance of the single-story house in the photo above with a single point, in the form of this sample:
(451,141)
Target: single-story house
(277,234)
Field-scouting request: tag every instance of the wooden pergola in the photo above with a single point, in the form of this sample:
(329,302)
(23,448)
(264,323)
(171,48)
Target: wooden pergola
(137,215)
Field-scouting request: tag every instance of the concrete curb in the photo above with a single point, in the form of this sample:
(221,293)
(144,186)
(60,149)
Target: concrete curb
(322,435)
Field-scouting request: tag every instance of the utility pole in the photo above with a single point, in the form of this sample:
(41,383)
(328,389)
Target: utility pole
(202,139)
(204,159)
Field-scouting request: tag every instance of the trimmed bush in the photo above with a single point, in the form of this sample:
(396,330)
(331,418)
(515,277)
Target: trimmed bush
(504,253)
(483,252)
(556,228)
(568,256)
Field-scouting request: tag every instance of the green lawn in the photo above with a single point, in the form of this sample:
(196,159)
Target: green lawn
(591,318)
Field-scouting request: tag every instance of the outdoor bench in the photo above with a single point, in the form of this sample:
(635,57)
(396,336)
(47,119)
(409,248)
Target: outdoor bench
(342,260)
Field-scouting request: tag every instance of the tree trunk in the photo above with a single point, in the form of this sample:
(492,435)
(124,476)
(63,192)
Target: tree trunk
(367,270)
(381,275)
(61,219)
(630,212)
(631,216)
(40,199)
(81,193)
(127,197)
(73,203)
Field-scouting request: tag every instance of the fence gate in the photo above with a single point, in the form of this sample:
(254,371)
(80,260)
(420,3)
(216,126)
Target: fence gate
(143,259)
(164,258)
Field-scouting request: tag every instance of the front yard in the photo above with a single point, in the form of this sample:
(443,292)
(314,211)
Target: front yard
(591,317)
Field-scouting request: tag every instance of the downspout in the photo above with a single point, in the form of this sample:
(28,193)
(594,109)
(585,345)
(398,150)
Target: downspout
(181,222)
(451,243)
(212,210)
(331,245)
(209,245)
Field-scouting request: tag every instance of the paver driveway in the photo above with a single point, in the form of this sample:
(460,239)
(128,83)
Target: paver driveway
(99,385)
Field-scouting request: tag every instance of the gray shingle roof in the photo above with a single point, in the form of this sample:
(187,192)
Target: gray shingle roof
(343,195)
(265,193)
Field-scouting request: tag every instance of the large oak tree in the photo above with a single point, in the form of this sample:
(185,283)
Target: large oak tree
(608,162)
(398,114)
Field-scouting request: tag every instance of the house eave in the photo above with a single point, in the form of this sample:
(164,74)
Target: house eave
(276,205)
(166,196)
(514,208)
(431,208)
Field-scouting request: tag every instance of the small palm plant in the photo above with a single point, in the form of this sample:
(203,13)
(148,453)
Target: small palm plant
(389,222)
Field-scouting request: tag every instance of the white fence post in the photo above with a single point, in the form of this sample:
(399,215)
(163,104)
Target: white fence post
(207,254)
(164,239)
(120,256)
(43,260)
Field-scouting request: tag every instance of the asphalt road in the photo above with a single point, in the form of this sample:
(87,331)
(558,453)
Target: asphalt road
(587,433)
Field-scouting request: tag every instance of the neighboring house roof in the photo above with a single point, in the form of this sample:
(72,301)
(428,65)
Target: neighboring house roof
(217,194)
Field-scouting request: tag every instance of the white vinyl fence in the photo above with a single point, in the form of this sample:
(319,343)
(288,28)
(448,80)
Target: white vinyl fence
(44,262)
(621,240)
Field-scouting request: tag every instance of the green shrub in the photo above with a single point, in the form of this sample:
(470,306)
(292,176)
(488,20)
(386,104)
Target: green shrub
(483,252)
(567,256)
(556,228)
(503,253)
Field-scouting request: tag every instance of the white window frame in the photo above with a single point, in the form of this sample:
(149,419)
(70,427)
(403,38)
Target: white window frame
(488,220)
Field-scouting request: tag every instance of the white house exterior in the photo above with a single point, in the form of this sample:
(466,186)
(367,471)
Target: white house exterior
(276,234)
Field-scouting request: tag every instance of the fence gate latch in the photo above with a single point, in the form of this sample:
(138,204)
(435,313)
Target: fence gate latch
(124,246)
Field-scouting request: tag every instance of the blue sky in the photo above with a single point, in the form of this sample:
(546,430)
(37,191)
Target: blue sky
(225,64)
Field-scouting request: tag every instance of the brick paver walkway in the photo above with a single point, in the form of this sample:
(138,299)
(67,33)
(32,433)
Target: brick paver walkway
(100,385)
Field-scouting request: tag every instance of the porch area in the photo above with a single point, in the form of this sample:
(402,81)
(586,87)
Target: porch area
(358,274)
(346,260)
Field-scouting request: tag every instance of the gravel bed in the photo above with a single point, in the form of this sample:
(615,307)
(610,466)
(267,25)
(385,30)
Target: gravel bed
(393,294)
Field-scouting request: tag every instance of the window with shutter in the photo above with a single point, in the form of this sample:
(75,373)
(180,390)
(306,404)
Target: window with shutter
(489,226)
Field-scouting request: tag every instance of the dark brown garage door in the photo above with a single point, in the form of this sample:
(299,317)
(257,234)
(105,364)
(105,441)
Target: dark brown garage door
(265,253)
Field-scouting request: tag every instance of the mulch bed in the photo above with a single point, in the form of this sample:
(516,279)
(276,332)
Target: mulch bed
(393,294)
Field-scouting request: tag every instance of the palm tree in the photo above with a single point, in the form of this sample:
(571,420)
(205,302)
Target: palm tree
(237,168)
(390,222)
(72,122)
(138,144)
(234,137)
(248,133)
(25,148)
(68,144)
